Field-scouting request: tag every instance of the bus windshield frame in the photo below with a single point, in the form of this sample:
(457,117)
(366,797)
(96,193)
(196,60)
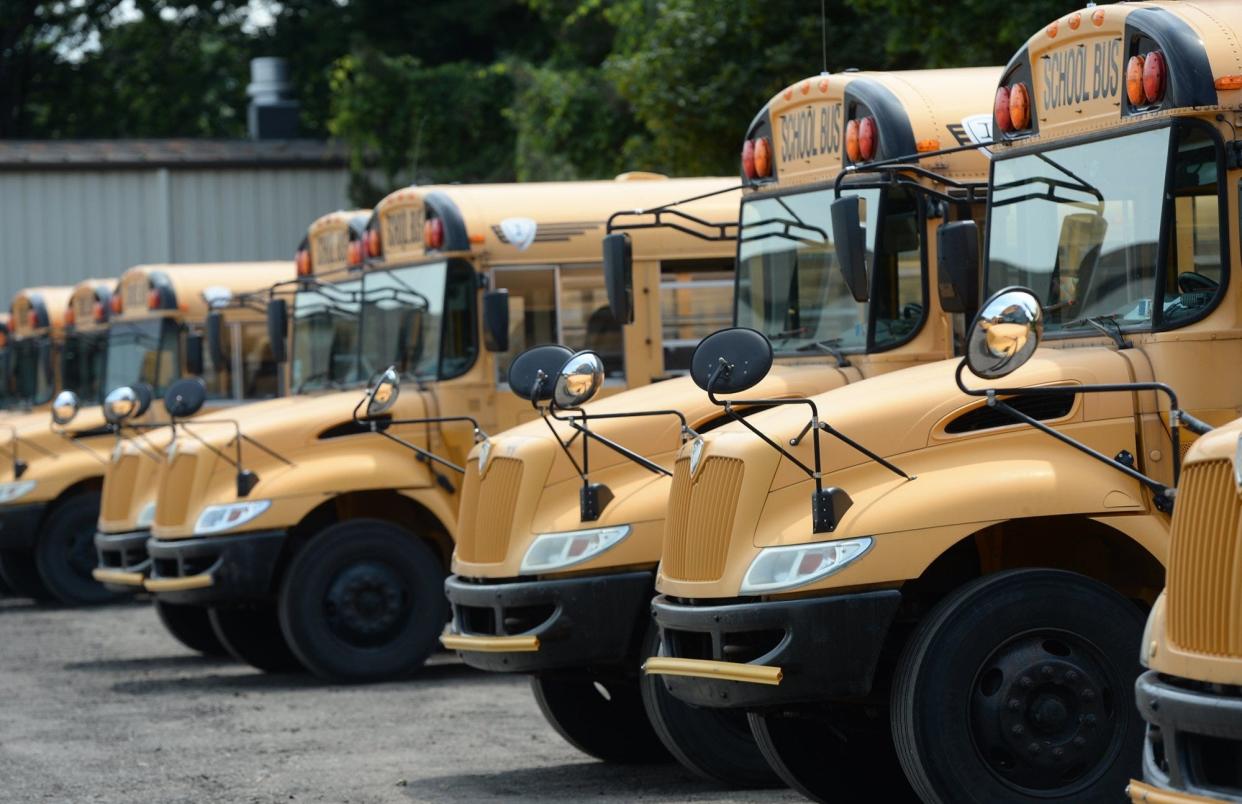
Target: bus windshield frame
(146,350)
(32,370)
(83,364)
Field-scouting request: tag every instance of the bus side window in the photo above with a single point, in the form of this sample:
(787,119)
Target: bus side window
(696,299)
(532,311)
(1193,274)
(587,321)
(259,370)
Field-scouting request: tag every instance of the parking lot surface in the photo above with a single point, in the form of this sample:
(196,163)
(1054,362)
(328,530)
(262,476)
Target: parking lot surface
(102,705)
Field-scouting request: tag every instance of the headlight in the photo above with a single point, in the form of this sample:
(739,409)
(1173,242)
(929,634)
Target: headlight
(557,550)
(777,568)
(11,491)
(146,516)
(216,518)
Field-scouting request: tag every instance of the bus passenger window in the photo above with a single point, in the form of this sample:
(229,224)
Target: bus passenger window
(259,370)
(532,311)
(696,299)
(587,321)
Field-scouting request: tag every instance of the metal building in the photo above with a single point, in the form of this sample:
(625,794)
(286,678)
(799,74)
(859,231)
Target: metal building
(76,209)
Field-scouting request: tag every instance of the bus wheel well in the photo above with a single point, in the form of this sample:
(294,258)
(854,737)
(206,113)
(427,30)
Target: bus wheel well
(382,504)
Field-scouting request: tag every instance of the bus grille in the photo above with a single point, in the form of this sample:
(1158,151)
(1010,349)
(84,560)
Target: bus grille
(120,488)
(1205,562)
(175,491)
(700,519)
(485,539)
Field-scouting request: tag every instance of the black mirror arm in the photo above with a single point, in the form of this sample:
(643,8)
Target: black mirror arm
(657,222)
(424,454)
(585,428)
(68,436)
(479,433)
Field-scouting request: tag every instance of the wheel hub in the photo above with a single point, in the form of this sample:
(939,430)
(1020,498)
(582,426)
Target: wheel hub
(366,603)
(1041,712)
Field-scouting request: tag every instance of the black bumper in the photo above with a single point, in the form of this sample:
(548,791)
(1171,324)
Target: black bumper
(123,553)
(827,647)
(19,525)
(241,568)
(580,622)
(1194,737)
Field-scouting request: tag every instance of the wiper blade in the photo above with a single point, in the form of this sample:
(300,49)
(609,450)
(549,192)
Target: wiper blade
(829,345)
(1102,322)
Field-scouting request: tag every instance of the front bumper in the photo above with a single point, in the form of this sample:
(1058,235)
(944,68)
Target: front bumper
(753,655)
(215,569)
(19,525)
(123,560)
(531,626)
(1194,741)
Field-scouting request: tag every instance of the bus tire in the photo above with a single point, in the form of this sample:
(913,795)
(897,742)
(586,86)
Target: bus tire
(251,634)
(364,601)
(601,717)
(715,744)
(1019,687)
(191,626)
(65,552)
(18,569)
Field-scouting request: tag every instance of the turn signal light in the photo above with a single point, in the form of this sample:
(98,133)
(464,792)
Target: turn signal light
(763,158)
(303,262)
(373,243)
(433,233)
(1229,82)
(748,159)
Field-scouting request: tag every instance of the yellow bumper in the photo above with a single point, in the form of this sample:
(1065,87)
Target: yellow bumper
(118,577)
(1142,793)
(705,668)
(496,644)
(178,584)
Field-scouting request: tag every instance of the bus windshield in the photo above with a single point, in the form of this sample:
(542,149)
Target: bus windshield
(142,351)
(82,365)
(790,286)
(1081,226)
(325,335)
(32,370)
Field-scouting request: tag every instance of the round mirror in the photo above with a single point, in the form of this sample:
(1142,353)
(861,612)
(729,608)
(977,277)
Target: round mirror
(121,404)
(738,357)
(1005,333)
(532,374)
(65,407)
(383,394)
(145,394)
(185,397)
(578,380)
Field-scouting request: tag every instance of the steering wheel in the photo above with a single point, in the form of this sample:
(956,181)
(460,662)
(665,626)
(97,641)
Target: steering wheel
(1193,281)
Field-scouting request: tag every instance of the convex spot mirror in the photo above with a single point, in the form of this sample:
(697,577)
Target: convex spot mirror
(65,407)
(731,361)
(1005,333)
(126,402)
(185,397)
(850,240)
(533,373)
(619,276)
(383,394)
(578,380)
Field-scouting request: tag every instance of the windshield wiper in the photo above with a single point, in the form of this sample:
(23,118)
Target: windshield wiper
(829,345)
(1101,323)
(785,334)
(332,383)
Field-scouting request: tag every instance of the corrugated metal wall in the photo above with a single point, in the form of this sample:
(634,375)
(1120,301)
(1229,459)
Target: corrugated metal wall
(59,226)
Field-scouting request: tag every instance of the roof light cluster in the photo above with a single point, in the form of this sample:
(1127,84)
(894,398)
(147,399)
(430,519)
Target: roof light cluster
(1012,108)
(303,261)
(1145,79)
(757,158)
(354,252)
(433,234)
(862,139)
(374,247)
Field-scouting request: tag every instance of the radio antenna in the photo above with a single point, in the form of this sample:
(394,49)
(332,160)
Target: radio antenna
(823,32)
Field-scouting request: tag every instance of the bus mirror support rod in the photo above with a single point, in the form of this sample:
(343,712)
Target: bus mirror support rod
(657,218)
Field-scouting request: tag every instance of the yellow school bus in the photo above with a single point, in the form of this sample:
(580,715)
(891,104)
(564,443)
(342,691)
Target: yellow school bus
(953,566)
(169,321)
(332,555)
(545,584)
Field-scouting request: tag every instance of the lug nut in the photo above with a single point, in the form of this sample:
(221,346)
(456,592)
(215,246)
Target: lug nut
(1033,748)
(1026,682)
(1088,694)
(1058,752)
(1046,670)
(1014,704)
(1017,728)
(1071,676)
(1089,720)
(1080,741)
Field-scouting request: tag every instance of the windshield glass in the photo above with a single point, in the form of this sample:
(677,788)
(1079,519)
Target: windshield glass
(82,365)
(32,370)
(790,286)
(1080,225)
(325,335)
(143,351)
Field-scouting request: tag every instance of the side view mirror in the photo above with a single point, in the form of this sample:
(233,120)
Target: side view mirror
(277,326)
(578,380)
(957,266)
(65,407)
(121,405)
(619,276)
(145,394)
(215,338)
(194,354)
(496,320)
(1004,334)
(849,238)
(533,373)
(185,397)
(383,394)
(730,361)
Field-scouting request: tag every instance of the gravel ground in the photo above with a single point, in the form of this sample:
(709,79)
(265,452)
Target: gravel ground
(102,705)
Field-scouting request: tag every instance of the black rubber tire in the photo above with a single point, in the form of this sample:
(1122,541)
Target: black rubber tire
(65,552)
(251,634)
(191,626)
(363,602)
(837,757)
(614,728)
(18,569)
(715,744)
(1014,638)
